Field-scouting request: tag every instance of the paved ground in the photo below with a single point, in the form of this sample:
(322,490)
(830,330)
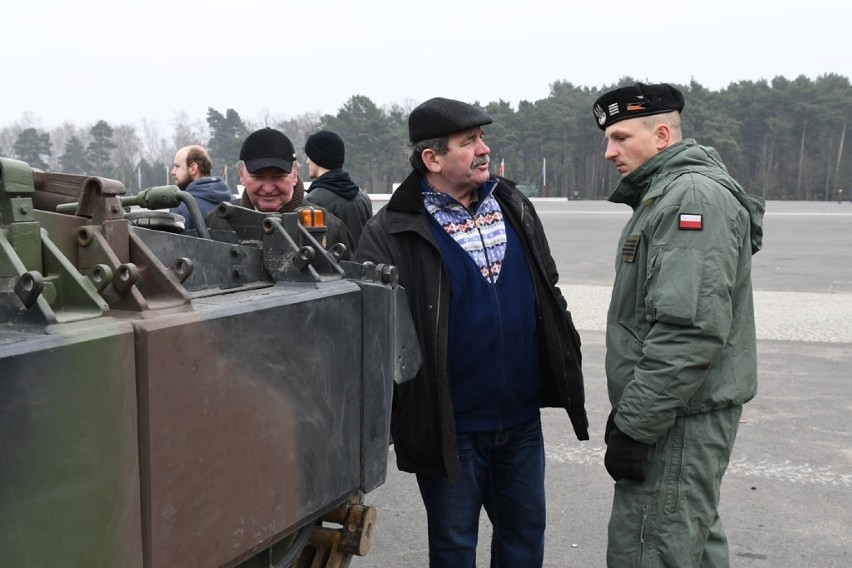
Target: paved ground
(787,497)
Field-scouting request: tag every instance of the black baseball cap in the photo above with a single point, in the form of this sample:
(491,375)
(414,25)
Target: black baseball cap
(267,148)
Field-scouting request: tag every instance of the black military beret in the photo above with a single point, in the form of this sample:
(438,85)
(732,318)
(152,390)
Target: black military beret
(636,100)
(441,117)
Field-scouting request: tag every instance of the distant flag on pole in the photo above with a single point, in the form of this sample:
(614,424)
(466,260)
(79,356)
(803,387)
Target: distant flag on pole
(501,171)
(543,174)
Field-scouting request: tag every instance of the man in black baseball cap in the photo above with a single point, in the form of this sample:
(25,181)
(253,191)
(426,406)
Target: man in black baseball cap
(269,175)
(473,258)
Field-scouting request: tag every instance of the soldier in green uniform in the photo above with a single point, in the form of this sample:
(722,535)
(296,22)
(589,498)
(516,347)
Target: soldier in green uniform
(681,346)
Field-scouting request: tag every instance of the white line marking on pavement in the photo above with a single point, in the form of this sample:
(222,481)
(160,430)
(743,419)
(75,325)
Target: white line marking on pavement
(786,471)
(805,316)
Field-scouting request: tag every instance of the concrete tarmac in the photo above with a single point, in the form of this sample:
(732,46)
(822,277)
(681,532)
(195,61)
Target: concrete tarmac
(787,495)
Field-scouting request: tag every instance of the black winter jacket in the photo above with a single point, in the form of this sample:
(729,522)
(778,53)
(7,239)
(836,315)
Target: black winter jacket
(423,425)
(336,192)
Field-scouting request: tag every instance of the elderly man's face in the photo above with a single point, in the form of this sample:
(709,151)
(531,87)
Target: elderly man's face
(465,165)
(269,189)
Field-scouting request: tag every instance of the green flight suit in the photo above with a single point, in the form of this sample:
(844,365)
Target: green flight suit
(681,351)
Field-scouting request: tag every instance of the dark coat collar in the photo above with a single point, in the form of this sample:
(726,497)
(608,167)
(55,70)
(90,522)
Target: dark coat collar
(408,197)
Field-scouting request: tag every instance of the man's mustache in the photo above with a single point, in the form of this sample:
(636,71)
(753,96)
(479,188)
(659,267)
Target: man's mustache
(479,161)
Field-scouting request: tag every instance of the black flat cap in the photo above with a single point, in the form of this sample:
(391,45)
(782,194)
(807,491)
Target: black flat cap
(441,117)
(267,148)
(636,100)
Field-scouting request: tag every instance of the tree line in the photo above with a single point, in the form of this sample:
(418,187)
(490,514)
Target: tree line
(781,139)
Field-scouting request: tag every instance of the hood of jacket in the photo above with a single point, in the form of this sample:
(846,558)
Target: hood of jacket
(651,179)
(338,182)
(212,189)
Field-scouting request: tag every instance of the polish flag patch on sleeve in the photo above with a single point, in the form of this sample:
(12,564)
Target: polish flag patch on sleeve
(690,221)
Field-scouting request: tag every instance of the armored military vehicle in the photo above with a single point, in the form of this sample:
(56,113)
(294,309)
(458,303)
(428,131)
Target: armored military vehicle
(173,399)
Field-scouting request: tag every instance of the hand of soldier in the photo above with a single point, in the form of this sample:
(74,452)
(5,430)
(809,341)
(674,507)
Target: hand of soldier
(625,457)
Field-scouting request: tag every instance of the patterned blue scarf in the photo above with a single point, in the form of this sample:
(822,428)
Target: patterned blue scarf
(482,233)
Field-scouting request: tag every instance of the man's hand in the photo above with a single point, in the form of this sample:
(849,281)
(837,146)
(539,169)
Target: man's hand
(625,457)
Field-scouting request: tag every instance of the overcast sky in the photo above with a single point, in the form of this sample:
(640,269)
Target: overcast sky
(85,60)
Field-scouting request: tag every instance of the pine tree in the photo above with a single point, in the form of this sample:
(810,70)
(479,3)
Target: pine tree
(73,160)
(227,133)
(31,146)
(98,150)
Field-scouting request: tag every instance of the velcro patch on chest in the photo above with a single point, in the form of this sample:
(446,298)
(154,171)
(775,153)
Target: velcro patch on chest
(690,221)
(631,247)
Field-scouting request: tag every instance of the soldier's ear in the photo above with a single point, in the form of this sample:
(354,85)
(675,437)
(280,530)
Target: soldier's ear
(663,136)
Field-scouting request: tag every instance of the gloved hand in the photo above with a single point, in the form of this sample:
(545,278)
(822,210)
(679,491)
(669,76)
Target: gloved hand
(610,426)
(625,457)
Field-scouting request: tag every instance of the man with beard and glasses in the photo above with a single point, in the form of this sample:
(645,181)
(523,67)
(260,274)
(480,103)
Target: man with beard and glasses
(497,339)
(191,172)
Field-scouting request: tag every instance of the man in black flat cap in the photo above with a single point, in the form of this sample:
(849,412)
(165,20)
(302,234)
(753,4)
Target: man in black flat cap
(332,186)
(270,175)
(497,338)
(680,359)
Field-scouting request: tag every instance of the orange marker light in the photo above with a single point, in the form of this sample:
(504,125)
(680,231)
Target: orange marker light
(310,217)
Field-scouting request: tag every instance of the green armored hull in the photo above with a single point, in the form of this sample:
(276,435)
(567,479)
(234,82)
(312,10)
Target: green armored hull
(186,399)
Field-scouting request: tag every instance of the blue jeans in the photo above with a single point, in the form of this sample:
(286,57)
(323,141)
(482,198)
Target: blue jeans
(502,471)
